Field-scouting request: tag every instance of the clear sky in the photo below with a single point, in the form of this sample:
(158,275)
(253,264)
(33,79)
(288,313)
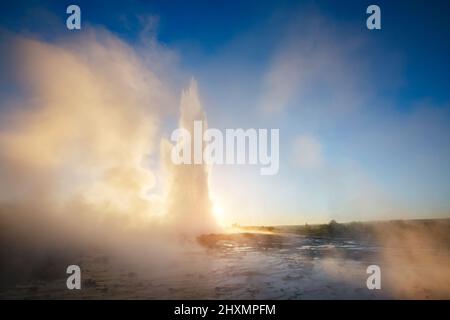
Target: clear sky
(363,115)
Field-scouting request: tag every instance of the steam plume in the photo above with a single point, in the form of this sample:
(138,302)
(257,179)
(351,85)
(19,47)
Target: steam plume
(73,150)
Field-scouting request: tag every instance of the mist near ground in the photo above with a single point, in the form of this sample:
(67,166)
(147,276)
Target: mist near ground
(413,255)
(83,163)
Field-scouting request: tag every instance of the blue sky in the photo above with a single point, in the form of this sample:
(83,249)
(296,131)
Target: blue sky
(363,115)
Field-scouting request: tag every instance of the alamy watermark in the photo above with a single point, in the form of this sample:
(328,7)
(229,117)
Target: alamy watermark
(374,280)
(373,22)
(74,280)
(73,21)
(236,146)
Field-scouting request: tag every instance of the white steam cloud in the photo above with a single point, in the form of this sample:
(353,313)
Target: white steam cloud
(73,151)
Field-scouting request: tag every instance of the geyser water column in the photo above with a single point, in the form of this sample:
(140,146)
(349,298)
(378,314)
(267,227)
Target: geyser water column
(189,204)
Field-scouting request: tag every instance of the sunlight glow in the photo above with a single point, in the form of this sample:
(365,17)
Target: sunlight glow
(219,213)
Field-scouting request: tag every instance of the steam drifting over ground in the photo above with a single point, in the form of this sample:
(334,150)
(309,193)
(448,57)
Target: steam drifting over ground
(73,154)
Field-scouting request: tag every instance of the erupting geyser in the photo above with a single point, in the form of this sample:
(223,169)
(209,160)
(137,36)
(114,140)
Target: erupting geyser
(189,205)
